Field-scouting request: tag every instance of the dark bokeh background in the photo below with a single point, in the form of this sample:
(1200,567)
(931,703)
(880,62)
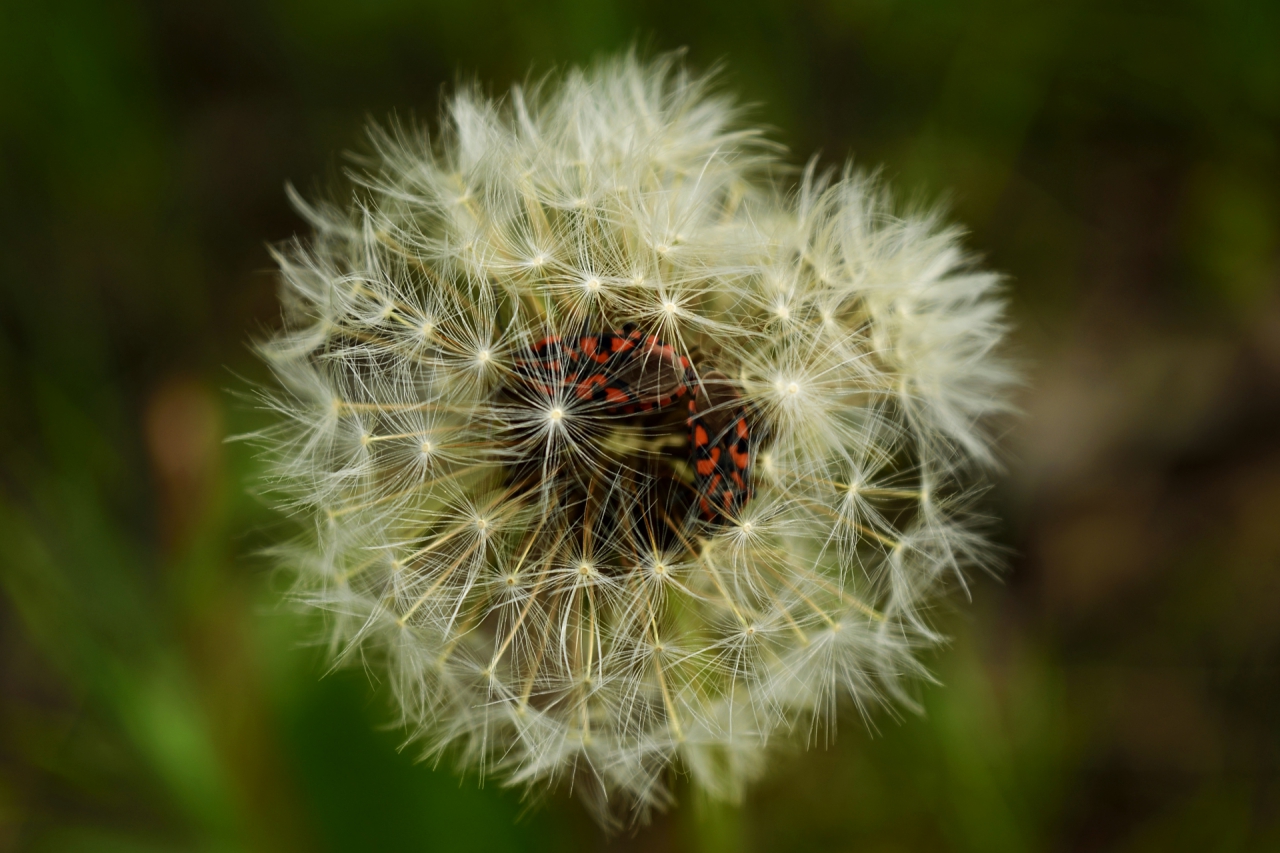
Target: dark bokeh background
(1117,689)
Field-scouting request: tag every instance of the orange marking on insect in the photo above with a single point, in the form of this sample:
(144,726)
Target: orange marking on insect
(591,349)
(586,388)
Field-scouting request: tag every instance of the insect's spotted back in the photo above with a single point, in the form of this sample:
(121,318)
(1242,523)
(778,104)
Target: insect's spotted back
(625,372)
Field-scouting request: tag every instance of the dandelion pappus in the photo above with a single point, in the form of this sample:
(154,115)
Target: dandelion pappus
(627,372)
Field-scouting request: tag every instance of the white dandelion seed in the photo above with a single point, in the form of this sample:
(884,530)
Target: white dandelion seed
(485,375)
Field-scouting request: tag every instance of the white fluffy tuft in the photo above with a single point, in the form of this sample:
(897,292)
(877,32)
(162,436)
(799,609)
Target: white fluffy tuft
(539,598)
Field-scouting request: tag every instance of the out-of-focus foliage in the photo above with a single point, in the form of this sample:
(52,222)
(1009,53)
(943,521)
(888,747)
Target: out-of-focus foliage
(1117,690)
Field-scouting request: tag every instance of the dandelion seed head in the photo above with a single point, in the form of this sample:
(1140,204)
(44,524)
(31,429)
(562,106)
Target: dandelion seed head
(518,377)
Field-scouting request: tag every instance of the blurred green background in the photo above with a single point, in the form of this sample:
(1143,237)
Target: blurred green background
(1116,689)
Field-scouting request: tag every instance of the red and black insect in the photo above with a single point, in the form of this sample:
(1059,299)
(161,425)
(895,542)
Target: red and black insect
(627,372)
